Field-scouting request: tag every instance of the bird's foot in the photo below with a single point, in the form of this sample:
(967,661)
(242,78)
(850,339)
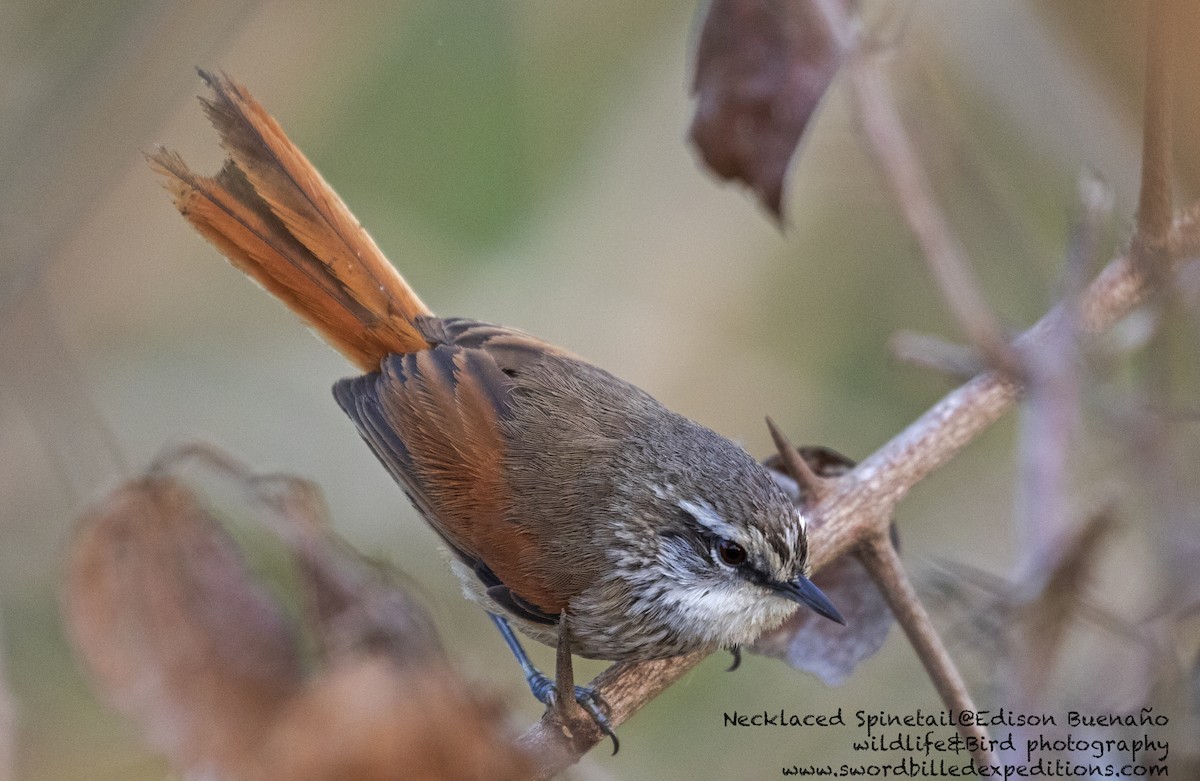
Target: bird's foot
(589,699)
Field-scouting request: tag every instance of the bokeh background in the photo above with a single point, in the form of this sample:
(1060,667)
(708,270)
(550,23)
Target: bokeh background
(525,162)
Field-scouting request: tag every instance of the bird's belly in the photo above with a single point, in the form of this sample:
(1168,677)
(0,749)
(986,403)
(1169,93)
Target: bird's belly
(600,628)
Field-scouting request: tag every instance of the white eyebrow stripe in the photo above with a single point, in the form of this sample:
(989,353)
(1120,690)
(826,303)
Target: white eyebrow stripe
(707,517)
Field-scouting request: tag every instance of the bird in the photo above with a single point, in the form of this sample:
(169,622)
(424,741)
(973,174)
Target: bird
(574,505)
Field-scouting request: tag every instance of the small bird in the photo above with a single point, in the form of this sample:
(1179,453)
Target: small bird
(576,507)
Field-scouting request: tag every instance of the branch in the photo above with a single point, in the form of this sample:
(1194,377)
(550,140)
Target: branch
(883,562)
(957,361)
(1050,417)
(1154,199)
(913,193)
(855,511)
(861,503)
(811,485)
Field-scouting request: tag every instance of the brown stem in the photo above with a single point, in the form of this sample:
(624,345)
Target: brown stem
(936,354)
(1154,199)
(882,561)
(858,508)
(811,484)
(914,195)
(1049,417)
(626,688)
(862,502)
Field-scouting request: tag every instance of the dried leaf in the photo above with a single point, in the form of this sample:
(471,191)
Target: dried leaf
(762,67)
(816,645)
(354,602)
(357,604)
(387,698)
(172,629)
(807,641)
(367,718)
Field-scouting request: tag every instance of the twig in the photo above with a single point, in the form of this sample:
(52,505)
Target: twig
(810,483)
(858,507)
(38,367)
(1049,419)
(625,688)
(862,502)
(936,354)
(1154,199)
(1163,474)
(1185,235)
(883,562)
(914,195)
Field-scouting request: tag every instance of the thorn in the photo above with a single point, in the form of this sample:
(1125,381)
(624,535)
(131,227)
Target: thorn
(811,484)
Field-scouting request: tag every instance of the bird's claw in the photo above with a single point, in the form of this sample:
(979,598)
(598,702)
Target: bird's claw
(598,709)
(589,700)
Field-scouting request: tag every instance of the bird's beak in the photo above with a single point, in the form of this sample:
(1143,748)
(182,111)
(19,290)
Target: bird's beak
(802,590)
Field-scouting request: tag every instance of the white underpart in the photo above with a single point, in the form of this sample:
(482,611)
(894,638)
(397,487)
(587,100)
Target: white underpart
(729,611)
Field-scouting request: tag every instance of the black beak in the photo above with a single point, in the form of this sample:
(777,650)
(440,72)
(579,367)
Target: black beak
(803,591)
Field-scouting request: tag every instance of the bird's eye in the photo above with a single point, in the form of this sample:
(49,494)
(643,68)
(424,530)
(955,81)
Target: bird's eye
(731,553)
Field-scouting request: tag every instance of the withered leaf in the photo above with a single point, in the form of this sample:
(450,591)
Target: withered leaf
(171,628)
(176,634)
(762,67)
(356,604)
(813,644)
(387,698)
(370,719)
(809,642)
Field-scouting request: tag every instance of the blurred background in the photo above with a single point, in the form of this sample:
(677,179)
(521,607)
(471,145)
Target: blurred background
(525,162)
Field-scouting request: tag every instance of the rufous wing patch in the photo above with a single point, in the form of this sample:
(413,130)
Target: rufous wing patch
(445,406)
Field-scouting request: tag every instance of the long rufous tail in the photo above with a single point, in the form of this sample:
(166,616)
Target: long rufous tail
(269,211)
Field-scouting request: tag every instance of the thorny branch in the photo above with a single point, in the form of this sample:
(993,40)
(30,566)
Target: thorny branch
(1154,200)
(913,192)
(854,515)
(1049,419)
(883,562)
(863,501)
